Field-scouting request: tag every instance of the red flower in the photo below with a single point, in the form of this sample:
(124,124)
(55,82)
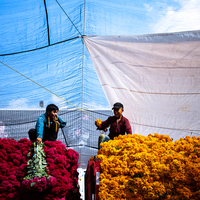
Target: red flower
(50,160)
(10,196)
(3,188)
(25,184)
(62,165)
(52,181)
(56,190)
(16,162)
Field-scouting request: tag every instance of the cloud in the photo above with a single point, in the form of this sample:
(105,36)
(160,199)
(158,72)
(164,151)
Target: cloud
(26,104)
(95,106)
(21,104)
(180,16)
(59,102)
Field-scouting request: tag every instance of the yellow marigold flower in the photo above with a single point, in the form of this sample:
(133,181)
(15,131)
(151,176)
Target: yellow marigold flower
(98,121)
(175,161)
(143,164)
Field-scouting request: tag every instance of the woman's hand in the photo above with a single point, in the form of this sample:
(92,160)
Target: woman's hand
(38,140)
(57,122)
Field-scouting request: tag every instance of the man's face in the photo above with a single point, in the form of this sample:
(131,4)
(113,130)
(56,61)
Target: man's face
(52,114)
(117,112)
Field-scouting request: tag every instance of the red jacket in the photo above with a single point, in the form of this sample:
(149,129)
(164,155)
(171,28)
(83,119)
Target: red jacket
(116,129)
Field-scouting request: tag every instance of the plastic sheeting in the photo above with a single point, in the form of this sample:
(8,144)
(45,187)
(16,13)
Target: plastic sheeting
(156,77)
(41,43)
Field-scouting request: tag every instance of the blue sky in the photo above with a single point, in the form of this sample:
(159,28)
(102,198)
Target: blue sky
(179,15)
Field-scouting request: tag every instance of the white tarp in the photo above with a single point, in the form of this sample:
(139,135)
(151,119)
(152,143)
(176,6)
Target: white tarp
(156,77)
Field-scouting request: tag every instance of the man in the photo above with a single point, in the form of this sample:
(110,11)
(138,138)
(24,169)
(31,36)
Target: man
(119,125)
(47,125)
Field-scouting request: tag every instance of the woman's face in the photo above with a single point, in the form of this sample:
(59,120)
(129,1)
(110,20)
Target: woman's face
(117,112)
(52,114)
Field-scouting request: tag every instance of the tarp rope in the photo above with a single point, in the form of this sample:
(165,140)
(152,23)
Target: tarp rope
(87,112)
(48,90)
(68,17)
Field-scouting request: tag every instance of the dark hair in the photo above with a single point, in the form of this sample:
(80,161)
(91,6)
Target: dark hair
(51,107)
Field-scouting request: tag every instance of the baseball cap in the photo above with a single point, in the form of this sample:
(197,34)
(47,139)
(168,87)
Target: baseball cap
(117,106)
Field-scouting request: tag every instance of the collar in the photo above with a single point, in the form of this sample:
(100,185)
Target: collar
(46,115)
(122,119)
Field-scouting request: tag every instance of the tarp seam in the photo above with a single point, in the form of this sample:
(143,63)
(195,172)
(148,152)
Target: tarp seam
(9,54)
(151,92)
(45,6)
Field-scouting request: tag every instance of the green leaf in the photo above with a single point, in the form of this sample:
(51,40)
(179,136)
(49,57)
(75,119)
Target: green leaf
(36,160)
(28,154)
(32,184)
(29,162)
(43,154)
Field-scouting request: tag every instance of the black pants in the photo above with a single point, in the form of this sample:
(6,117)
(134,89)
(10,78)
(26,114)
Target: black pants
(49,134)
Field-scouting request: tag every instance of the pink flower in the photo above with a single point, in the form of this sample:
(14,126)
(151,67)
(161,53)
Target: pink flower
(50,160)
(60,159)
(10,196)
(62,165)
(24,159)
(18,157)
(12,177)
(52,181)
(56,190)
(10,164)
(16,162)
(2,155)
(9,150)
(3,189)
(43,182)
(15,183)
(25,184)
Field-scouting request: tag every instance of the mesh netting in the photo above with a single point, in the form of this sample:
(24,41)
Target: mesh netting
(79,134)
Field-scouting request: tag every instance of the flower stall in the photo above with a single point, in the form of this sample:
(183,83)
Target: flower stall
(136,167)
(30,171)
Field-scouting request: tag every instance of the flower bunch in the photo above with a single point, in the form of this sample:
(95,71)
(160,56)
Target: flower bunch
(13,166)
(136,167)
(60,181)
(37,178)
(63,164)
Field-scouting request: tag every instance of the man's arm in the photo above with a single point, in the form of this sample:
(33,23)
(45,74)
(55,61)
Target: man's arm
(39,129)
(61,122)
(105,124)
(128,128)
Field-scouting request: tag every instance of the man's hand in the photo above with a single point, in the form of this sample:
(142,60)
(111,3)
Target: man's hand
(38,140)
(96,124)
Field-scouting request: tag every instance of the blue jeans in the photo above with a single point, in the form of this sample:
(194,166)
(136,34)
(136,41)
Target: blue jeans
(102,138)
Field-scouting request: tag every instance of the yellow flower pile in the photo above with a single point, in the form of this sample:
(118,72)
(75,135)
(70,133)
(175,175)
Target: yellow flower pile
(136,167)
